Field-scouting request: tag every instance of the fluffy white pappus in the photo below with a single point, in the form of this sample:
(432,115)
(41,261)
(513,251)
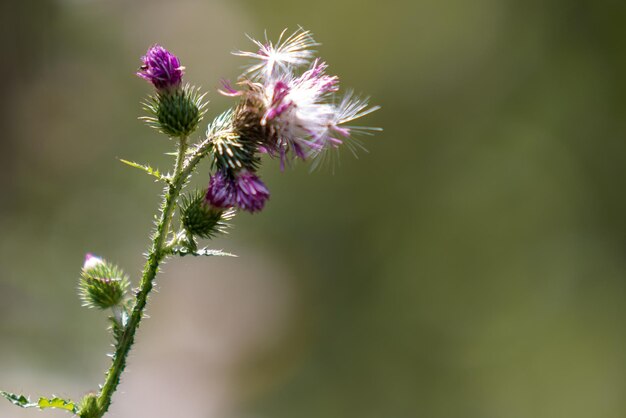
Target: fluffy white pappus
(339,132)
(300,108)
(274,60)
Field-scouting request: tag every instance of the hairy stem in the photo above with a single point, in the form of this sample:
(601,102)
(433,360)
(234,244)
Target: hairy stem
(155,256)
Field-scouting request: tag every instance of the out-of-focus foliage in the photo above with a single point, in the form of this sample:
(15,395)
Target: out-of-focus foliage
(470,265)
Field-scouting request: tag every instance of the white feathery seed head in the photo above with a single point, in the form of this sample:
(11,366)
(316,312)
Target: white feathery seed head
(300,110)
(275,59)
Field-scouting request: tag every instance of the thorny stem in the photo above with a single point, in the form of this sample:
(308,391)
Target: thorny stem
(155,256)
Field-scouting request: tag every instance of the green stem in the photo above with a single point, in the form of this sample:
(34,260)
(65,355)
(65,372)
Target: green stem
(155,256)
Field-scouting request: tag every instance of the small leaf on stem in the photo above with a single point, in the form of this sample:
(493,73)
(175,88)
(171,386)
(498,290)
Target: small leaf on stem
(146,168)
(182,251)
(42,403)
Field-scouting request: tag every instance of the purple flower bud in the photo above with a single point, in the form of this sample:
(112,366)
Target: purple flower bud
(161,68)
(251,192)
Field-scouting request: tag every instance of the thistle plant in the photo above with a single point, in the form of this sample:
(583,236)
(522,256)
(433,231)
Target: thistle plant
(287,108)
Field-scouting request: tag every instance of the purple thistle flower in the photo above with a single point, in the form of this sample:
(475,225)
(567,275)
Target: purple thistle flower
(244,190)
(161,68)
(221,192)
(251,192)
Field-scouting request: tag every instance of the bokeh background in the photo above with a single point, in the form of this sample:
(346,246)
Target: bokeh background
(471,265)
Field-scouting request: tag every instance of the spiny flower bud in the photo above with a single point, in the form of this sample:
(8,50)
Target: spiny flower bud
(176,113)
(161,68)
(202,220)
(88,407)
(101,285)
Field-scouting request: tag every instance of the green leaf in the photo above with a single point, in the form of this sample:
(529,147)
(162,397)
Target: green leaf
(182,251)
(57,403)
(19,400)
(146,168)
(42,403)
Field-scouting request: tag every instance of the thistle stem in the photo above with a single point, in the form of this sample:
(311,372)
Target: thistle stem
(155,256)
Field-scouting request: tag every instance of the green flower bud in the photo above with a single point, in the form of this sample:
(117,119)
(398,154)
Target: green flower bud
(101,285)
(176,112)
(201,219)
(88,406)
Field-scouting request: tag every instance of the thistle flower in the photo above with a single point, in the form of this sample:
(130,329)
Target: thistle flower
(161,68)
(174,109)
(251,192)
(221,191)
(283,111)
(293,115)
(242,189)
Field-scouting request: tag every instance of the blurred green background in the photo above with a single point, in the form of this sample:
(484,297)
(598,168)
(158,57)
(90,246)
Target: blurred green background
(471,265)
